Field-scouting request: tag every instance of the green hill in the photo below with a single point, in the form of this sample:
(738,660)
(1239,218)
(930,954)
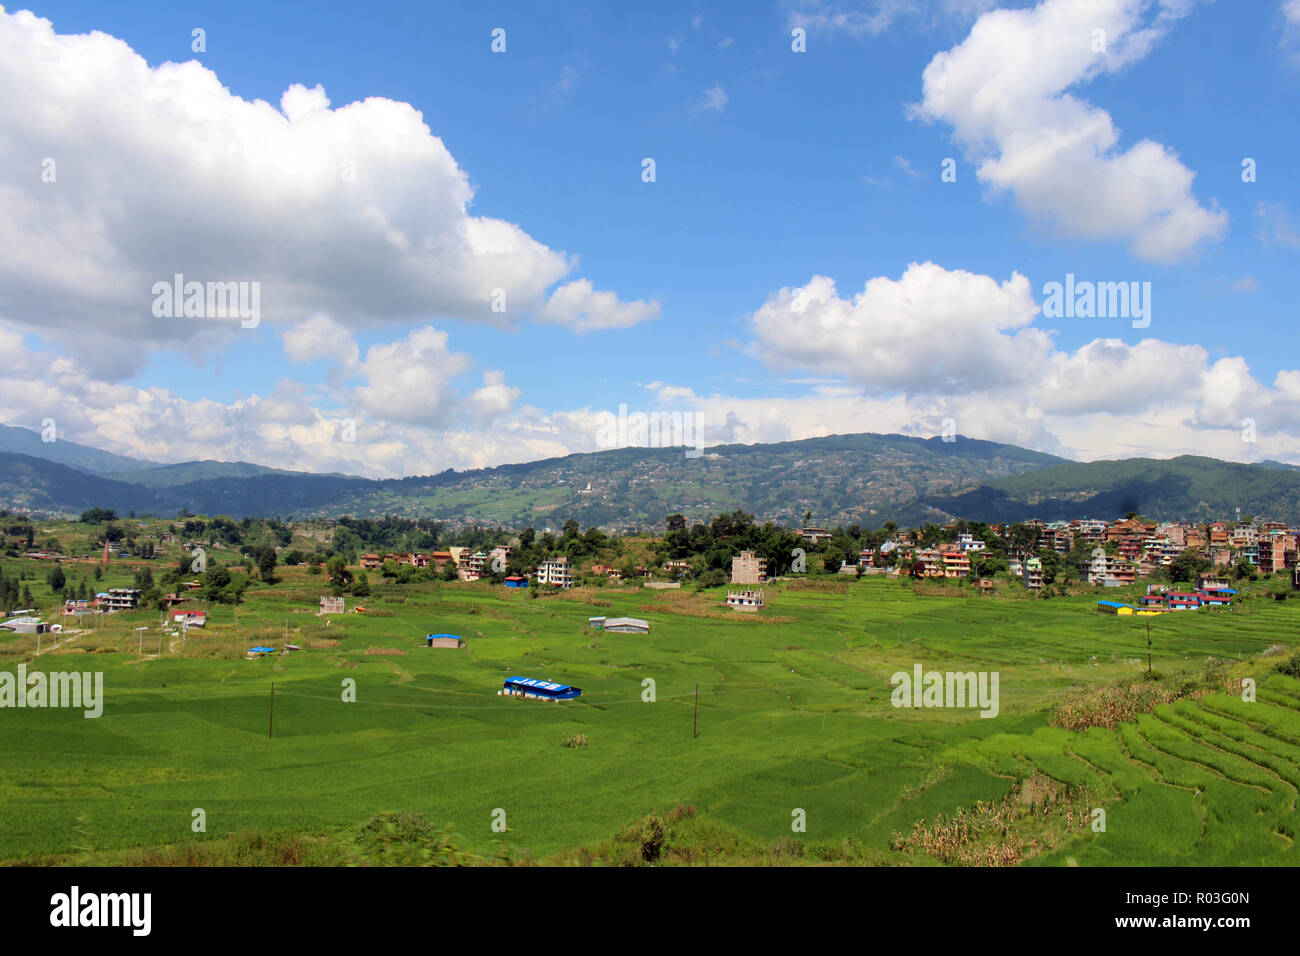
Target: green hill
(838,480)
(24,441)
(187,472)
(1189,487)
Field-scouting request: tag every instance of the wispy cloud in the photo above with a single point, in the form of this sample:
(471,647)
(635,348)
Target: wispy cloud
(714,100)
(1291,30)
(869,18)
(1275,226)
(902,163)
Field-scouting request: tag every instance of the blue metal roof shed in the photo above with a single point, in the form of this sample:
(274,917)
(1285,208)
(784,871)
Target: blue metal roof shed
(1113,607)
(531,687)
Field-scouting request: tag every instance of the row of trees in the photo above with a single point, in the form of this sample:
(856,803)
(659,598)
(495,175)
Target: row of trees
(710,547)
(13,592)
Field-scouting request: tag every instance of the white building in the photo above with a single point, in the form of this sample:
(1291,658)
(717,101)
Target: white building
(751,601)
(556,572)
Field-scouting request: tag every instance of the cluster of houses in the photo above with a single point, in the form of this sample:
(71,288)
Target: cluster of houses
(473,565)
(1122,551)
(469,565)
(1211,591)
(114,599)
(674,569)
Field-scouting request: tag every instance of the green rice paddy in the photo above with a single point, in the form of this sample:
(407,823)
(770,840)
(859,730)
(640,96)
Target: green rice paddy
(794,713)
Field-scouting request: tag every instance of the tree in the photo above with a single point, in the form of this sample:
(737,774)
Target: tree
(98,515)
(57,580)
(1187,566)
(220,586)
(337,569)
(266,561)
(676,522)
(711,579)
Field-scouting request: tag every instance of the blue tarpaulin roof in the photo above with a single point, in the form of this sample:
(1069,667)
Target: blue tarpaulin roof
(457,636)
(546,688)
(261,650)
(539,684)
(1113,604)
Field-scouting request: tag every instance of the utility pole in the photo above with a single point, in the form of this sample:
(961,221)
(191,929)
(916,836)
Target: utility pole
(1148,648)
(695,721)
(270,721)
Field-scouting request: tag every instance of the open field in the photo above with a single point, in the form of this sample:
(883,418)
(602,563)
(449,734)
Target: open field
(794,714)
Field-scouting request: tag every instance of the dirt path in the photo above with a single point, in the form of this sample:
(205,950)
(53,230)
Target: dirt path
(65,637)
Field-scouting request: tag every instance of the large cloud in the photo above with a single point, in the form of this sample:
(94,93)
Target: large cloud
(930,331)
(1004,92)
(358,212)
(937,344)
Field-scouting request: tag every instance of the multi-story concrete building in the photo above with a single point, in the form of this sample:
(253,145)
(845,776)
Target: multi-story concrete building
(556,572)
(1034,574)
(748,568)
(928,563)
(472,566)
(120,599)
(1273,548)
(955,563)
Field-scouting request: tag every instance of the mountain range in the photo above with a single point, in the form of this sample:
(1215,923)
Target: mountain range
(836,480)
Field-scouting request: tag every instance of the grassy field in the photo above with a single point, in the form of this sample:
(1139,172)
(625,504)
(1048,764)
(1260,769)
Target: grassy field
(794,714)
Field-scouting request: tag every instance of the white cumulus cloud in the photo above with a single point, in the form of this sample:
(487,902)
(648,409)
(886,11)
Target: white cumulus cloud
(1006,93)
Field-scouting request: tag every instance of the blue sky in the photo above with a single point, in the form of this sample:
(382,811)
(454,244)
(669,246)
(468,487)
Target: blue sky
(772,167)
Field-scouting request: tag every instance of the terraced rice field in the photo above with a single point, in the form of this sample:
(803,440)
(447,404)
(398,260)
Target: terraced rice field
(794,715)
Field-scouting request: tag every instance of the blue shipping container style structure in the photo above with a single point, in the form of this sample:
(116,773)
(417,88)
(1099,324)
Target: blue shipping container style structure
(537,689)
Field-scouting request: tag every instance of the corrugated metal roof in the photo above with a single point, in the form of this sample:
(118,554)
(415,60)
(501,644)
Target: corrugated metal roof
(611,622)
